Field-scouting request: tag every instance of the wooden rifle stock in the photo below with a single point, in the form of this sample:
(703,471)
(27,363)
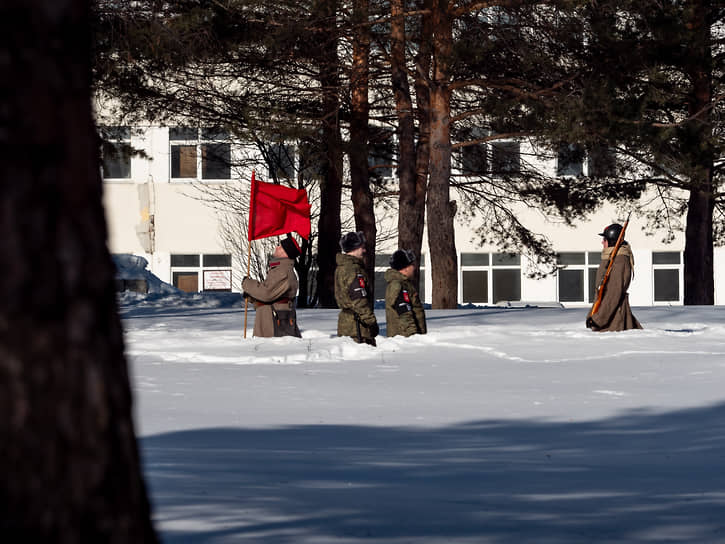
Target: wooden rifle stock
(605,278)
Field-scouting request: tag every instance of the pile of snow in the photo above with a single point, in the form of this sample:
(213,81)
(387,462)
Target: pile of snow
(134,268)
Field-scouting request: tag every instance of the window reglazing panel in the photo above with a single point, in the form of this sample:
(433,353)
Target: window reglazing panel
(665,257)
(572,258)
(667,285)
(595,257)
(215,161)
(506,259)
(571,285)
(474,259)
(185,260)
(183,133)
(217,260)
(183,161)
(475,285)
(506,285)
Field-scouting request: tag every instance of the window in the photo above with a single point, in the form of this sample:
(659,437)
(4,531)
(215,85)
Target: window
(281,161)
(570,160)
(200,153)
(116,152)
(490,277)
(577,276)
(601,162)
(667,272)
(312,161)
(474,159)
(505,158)
(474,277)
(475,285)
(382,263)
(474,156)
(380,153)
(506,268)
(207,272)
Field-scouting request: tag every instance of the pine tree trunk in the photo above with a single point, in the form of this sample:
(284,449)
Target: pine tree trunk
(699,282)
(411,201)
(362,197)
(441,211)
(422,150)
(699,274)
(70,459)
(328,243)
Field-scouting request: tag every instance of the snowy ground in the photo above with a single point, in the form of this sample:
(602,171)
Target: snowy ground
(500,426)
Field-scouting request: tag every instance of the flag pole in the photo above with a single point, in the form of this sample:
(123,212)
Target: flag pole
(246,299)
(249,246)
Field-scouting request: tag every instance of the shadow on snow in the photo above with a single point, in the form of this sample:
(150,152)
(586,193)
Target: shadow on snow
(638,477)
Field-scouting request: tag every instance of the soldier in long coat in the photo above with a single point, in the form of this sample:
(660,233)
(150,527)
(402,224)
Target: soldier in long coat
(274,298)
(356,318)
(614,313)
(404,312)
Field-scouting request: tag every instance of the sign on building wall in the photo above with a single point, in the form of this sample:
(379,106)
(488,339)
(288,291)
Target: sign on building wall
(217,280)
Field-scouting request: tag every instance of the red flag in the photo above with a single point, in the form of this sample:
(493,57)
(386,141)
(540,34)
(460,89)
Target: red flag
(275,209)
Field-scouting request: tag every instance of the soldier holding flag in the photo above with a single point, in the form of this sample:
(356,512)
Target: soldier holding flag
(275,209)
(274,298)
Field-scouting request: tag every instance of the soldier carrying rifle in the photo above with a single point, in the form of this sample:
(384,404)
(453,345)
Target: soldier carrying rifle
(611,310)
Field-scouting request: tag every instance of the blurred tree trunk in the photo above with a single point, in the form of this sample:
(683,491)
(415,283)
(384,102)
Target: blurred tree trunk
(362,196)
(69,455)
(441,210)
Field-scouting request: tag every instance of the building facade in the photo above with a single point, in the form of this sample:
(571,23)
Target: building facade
(155,207)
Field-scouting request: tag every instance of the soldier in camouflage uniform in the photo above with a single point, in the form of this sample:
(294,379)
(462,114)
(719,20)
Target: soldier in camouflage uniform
(403,310)
(274,298)
(352,294)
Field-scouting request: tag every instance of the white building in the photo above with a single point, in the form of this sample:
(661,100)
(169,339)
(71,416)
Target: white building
(154,209)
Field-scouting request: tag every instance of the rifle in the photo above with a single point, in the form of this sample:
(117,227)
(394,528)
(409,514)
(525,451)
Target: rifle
(600,289)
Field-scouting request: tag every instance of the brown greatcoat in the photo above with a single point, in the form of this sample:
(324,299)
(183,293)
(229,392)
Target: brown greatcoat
(614,313)
(276,292)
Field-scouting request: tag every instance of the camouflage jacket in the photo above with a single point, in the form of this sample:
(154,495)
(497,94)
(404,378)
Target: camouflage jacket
(354,299)
(404,313)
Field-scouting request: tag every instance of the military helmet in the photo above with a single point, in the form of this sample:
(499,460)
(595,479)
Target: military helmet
(611,233)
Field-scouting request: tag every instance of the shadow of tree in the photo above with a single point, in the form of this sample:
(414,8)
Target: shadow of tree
(639,477)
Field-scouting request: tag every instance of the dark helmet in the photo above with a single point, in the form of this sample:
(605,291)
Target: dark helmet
(611,233)
(401,258)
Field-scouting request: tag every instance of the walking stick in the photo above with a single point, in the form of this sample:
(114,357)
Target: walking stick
(600,290)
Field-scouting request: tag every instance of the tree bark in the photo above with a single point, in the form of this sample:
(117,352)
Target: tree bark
(422,150)
(411,200)
(362,196)
(69,455)
(699,274)
(331,186)
(441,234)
